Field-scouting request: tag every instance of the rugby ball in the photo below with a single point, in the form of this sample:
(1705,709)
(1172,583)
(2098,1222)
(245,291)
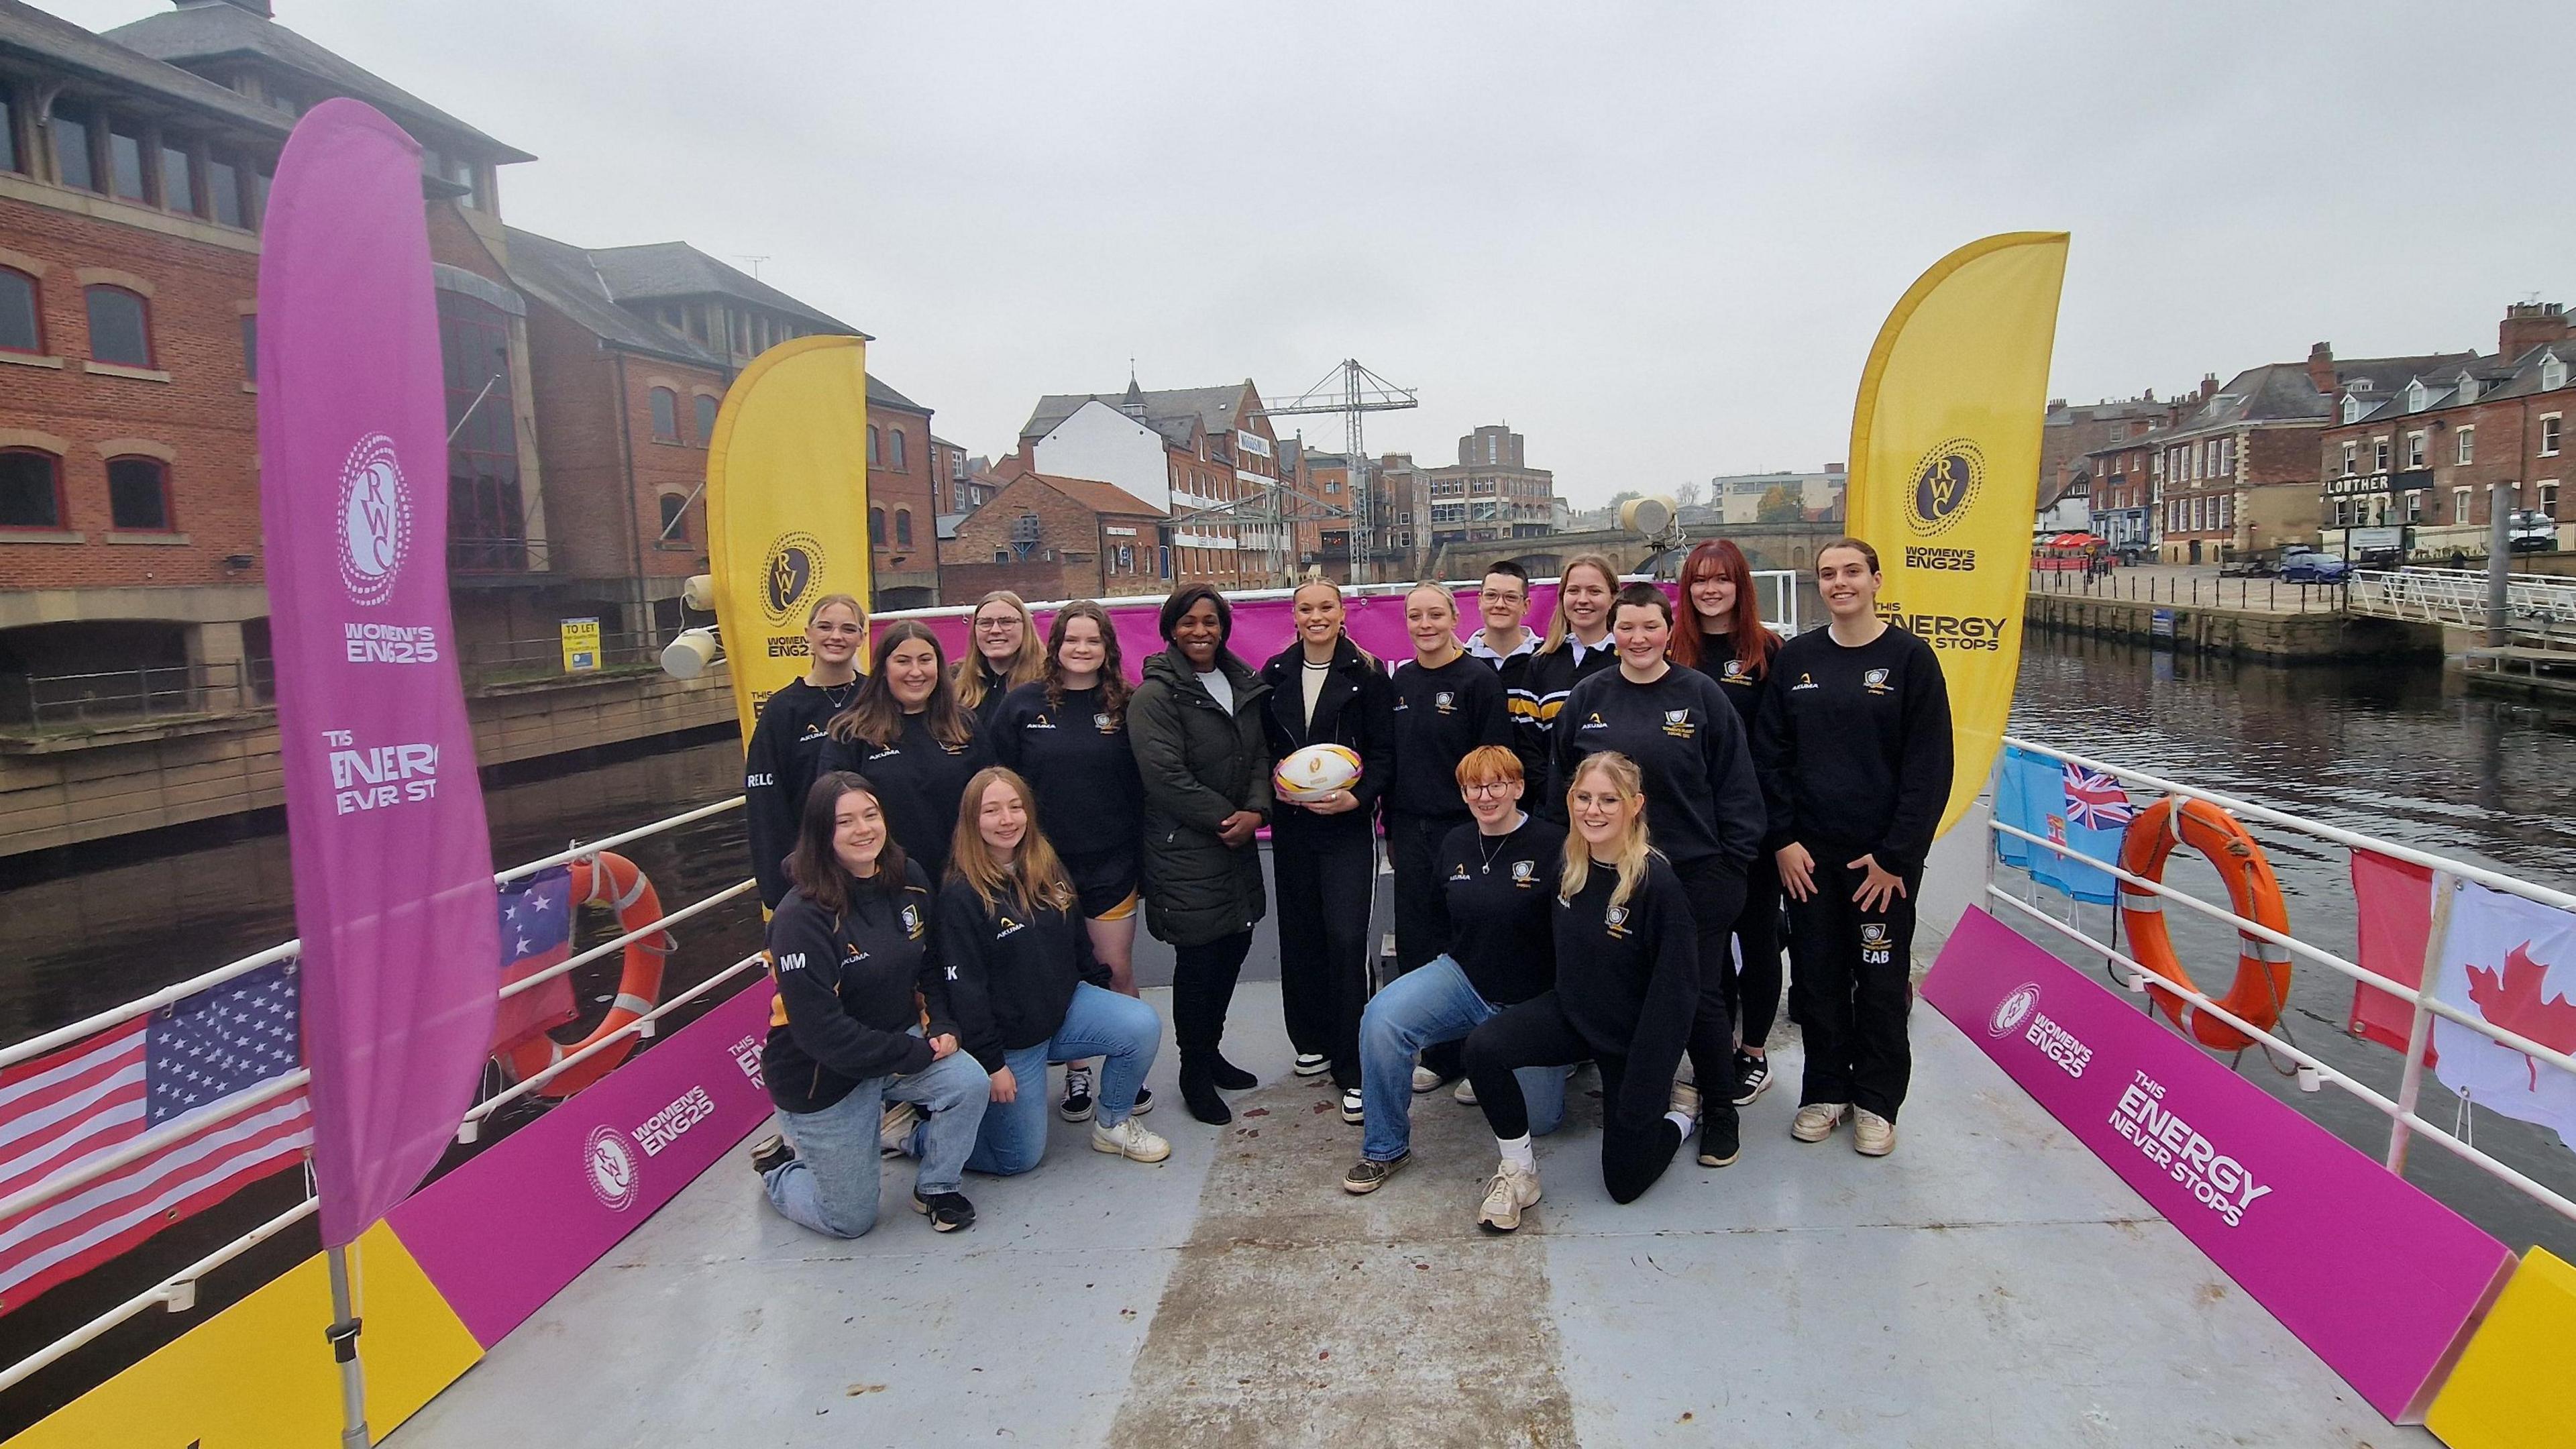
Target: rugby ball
(1310,774)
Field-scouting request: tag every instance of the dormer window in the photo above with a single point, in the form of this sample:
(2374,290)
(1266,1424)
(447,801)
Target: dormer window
(2416,395)
(2468,390)
(2553,373)
(2351,408)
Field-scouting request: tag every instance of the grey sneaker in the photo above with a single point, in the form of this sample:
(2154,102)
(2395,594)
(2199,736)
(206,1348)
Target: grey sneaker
(1368,1175)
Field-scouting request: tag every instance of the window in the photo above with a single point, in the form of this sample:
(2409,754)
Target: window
(178,179)
(2549,500)
(2351,458)
(2553,373)
(666,415)
(22,326)
(487,525)
(120,327)
(125,165)
(707,407)
(1001,555)
(31,489)
(894,450)
(223,189)
(2379,455)
(876,527)
(9,157)
(2414,450)
(2459,505)
(71,152)
(2414,505)
(250,346)
(675,518)
(138,495)
(876,446)
(2549,436)
(2467,449)
(903,528)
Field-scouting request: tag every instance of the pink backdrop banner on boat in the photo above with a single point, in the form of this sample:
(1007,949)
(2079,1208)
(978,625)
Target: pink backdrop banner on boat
(393,867)
(2376,1277)
(506,1231)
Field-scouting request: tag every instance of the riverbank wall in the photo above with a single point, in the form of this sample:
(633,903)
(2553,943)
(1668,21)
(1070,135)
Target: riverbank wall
(2278,637)
(68,788)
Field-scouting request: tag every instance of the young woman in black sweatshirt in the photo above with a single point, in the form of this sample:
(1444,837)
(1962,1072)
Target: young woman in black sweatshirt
(848,947)
(786,749)
(906,733)
(1855,754)
(1002,653)
(1627,984)
(1323,853)
(1577,647)
(1724,638)
(1703,799)
(1023,988)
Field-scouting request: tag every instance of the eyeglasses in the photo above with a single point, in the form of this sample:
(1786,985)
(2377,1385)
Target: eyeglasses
(989,624)
(1489,787)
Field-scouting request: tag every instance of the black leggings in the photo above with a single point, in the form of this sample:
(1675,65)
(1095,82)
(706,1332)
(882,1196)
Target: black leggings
(1325,878)
(1421,905)
(1754,996)
(1715,888)
(1202,988)
(1635,1148)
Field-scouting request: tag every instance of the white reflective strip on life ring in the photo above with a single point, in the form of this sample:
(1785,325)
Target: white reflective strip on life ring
(2141,901)
(633,894)
(2265,951)
(631,1004)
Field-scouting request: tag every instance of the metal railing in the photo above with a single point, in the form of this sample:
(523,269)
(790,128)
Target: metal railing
(2405,1124)
(128,696)
(2540,604)
(177,1292)
(509,661)
(2258,595)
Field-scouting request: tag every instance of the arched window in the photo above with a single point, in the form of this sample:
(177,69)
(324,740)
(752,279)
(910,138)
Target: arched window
(120,327)
(876,445)
(22,327)
(666,415)
(894,450)
(138,495)
(675,518)
(903,527)
(31,489)
(876,525)
(707,406)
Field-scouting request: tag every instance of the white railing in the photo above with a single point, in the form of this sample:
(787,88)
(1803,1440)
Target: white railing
(177,1293)
(2404,1123)
(2533,602)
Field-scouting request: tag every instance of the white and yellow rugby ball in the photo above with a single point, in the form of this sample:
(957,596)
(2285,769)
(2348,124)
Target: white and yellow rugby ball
(1310,774)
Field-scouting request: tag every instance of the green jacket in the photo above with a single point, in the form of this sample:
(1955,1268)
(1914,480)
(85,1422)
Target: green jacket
(1200,764)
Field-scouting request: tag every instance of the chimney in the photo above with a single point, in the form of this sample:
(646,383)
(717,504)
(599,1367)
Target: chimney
(2528,325)
(2148,396)
(2321,369)
(2209,385)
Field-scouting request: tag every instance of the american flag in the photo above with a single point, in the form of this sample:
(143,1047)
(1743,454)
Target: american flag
(536,932)
(2095,800)
(98,1095)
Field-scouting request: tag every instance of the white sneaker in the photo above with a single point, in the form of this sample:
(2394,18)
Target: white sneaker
(894,1131)
(1354,1106)
(1816,1121)
(1425,1080)
(1130,1140)
(1312,1064)
(1513,1189)
(1685,1100)
(1872,1135)
(1466,1093)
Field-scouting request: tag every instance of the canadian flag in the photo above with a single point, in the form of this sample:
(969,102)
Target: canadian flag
(2511,962)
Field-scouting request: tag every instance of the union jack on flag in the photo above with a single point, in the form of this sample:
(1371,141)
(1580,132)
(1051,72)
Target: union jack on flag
(2095,800)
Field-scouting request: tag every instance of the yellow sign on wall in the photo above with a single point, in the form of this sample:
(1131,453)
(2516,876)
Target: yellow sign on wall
(580,645)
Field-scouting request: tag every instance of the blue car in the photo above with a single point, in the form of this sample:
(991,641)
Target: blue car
(2307,566)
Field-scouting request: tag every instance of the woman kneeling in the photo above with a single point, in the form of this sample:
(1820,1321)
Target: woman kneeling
(1627,984)
(1024,988)
(849,946)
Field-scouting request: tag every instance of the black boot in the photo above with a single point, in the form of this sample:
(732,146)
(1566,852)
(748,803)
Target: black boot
(1198,1093)
(1229,1076)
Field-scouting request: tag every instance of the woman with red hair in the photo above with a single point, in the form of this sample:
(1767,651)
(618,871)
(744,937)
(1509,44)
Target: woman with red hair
(1724,638)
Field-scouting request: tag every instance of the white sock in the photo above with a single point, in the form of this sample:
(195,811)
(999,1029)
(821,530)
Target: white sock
(1681,1120)
(1516,1151)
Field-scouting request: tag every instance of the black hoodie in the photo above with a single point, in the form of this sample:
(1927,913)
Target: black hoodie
(845,1010)
(1008,973)
(785,755)
(919,782)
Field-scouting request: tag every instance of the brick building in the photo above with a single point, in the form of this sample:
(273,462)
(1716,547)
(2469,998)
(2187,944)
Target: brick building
(1045,537)
(2120,483)
(1207,454)
(2069,433)
(1491,492)
(2424,453)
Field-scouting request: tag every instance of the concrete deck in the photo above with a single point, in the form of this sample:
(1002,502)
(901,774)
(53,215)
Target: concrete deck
(1990,1284)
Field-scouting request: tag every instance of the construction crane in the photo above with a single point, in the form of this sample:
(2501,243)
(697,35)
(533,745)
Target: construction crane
(1353,391)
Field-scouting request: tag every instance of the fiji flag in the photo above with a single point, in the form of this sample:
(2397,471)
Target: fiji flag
(2084,809)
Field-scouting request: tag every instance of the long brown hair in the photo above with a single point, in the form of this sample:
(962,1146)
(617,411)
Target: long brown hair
(1634,846)
(1035,877)
(1113,669)
(1720,558)
(1556,626)
(877,717)
(1027,666)
(815,867)
(1297,640)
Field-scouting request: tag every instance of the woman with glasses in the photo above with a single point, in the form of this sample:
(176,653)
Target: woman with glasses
(1004,654)
(1507,642)
(905,732)
(786,750)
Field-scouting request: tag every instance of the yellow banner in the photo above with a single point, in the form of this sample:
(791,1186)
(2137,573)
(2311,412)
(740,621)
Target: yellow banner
(787,506)
(1945,471)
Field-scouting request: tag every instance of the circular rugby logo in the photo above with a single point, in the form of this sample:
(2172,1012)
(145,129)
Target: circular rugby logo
(608,1163)
(375,520)
(1946,481)
(2013,1010)
(789,577)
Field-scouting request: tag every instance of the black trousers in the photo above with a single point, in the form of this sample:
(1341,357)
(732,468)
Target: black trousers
(1326,879)
(1715,888)
(1421,905)
(1635,1147)
(1202,988)
(1851,987)
(1753,988)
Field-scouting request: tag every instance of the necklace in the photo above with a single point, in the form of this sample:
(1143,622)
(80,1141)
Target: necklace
(838,696)
(1490,851)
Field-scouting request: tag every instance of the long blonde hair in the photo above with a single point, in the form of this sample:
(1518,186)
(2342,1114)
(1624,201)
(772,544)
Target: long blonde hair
(1556,627)
(1027,667)
(1035,877)
(1633,846)
(1298,640)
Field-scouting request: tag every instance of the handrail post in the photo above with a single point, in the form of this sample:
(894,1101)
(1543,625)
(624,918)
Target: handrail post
(2419,1032)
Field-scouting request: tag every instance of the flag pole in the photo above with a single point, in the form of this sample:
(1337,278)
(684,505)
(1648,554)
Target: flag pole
(343,1335)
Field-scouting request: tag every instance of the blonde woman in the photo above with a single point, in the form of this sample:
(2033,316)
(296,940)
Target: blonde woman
(786,750)
(1576,648)
(1023,989)
(1005,652)
(1627,988)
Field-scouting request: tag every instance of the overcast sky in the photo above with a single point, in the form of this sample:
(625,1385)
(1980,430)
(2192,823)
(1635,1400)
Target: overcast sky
(1657,239)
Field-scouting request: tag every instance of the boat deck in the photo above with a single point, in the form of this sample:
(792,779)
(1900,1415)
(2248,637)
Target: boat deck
(1992,1283)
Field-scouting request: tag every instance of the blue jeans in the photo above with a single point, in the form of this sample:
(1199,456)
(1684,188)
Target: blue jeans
(832,1185)
(1096,1023)
(1423,1008)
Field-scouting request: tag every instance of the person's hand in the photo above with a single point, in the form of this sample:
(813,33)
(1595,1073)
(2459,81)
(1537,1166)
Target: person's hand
(1339,802)
(1006,1088)
(942,1046)
(1797,871)
(1236,829)
(1878,889)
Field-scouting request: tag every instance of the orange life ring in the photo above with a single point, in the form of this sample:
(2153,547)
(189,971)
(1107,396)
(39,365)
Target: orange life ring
(606,879)
(2253,891)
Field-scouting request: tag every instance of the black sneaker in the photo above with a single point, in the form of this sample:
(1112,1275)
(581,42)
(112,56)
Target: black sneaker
(1752,1075)
(947,1211)
(1717,1138)
(1368,1174)
(771,1153)
(1144,1101)
(1077,1095)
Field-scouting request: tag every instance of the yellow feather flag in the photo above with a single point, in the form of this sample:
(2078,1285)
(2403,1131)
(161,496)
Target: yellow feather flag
(1945,471)
(787,506)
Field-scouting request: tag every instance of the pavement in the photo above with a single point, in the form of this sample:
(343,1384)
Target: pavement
(2200,584)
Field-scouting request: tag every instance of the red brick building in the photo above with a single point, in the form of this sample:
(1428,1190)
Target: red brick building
(903,500)
(1208,453)
(1045,537)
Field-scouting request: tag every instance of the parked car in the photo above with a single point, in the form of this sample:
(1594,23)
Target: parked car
(2531,531)
(2308,566)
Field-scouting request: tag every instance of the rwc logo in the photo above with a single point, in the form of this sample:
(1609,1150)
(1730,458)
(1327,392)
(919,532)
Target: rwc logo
(375,521)
(609,1166)
(788,578)
(1946,482)
(2013,1010)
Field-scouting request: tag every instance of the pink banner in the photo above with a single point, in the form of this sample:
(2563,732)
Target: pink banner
(2380,1280)
(506,1231)
(384,815)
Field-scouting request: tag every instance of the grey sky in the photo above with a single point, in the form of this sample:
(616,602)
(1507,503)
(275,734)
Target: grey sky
(1657,239)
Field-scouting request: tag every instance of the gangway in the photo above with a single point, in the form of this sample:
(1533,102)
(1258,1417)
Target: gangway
(2539,608)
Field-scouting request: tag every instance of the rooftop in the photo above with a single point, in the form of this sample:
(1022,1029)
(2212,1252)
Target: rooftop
(657,271)
(58,43)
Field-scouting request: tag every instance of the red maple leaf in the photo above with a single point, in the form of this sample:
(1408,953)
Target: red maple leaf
(2513,1001)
